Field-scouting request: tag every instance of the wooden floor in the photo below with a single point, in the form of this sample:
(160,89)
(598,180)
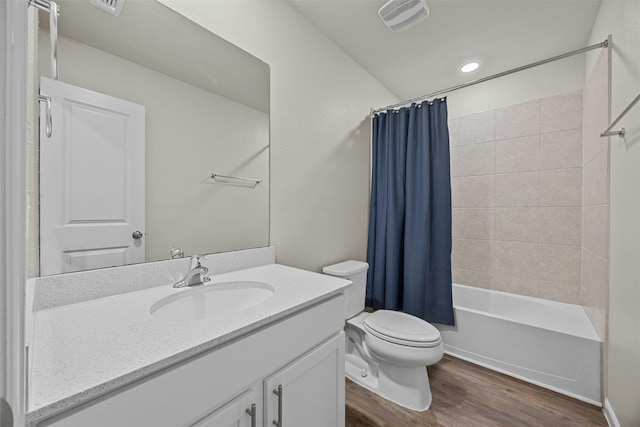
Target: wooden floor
(464,395)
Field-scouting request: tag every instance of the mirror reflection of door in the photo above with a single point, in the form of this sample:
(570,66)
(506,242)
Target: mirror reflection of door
(92,197)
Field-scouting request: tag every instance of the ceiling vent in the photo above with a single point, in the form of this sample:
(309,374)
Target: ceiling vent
(112,6)
(400,15)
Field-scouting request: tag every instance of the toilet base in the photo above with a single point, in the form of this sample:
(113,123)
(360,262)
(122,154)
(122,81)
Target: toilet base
(405,386)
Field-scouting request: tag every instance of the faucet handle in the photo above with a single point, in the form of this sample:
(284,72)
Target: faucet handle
(176,253)
(195,261)
(205,270)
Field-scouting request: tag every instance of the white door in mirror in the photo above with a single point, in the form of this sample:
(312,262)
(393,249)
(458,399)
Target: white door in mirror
(91,181)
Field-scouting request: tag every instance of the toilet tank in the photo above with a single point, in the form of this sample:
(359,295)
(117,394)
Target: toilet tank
(356,271)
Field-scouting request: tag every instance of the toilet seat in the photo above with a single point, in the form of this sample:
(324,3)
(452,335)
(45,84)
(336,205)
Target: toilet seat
(401,328)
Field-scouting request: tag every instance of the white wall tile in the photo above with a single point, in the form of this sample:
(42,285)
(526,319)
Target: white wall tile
(520,210)
(454,132)
(518,189)
(517,224)
(560,263)
(477,159)
(518,120)
(473,191)
(561,149)
(518,155)
(596,113)
(596,180)
(516,259)
(478,279)
(515,285)
(561,112)
(595,229)
(561,225)
(472,254)
(561,187)
(563,292)
(473,223)
(595,271)
(477,128)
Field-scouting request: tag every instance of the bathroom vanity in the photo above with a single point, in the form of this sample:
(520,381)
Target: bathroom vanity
(111,362)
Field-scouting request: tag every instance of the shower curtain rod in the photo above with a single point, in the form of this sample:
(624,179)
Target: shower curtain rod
(494,76)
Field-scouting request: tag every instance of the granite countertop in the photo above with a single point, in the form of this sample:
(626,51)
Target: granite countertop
(83,350)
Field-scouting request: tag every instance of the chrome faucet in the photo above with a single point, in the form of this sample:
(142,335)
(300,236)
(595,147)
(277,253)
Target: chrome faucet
(196,274)
(176,253)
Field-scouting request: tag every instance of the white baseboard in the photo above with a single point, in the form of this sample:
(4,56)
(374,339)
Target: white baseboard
(610,415)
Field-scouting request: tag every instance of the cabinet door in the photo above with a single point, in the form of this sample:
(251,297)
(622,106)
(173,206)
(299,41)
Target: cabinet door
(237,413)
(311,389)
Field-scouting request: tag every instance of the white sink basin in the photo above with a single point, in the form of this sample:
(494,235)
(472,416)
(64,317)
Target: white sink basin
(212,300)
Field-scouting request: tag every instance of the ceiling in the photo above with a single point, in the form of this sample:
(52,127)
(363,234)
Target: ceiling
(154,36)
(501,34)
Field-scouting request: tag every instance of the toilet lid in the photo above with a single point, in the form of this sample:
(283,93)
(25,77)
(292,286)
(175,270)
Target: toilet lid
(402,328)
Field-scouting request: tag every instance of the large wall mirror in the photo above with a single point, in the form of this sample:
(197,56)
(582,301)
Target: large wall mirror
(198,106)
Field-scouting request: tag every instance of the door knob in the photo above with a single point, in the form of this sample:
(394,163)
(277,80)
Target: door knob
(137,235)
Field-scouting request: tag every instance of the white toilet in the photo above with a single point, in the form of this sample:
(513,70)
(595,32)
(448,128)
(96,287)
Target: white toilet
(387,351)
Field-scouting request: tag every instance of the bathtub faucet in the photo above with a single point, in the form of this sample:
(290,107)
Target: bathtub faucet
(197,274)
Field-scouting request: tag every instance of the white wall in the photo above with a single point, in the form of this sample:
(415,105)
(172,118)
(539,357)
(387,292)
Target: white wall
(559,77)
(620,19)
(13,87)
(33,146)
(190,133)
(320,130)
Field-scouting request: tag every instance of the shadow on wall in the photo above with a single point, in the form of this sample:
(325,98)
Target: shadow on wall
(357,146)
(361,134)
(629,140)
(345,169)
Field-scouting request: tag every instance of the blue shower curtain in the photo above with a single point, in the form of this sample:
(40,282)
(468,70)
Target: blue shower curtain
(409,249)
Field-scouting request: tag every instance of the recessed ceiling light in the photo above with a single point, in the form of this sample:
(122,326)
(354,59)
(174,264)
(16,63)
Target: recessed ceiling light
(469,67)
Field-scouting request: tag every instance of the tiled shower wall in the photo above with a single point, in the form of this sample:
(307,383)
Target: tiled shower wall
(595,182)
(517,198)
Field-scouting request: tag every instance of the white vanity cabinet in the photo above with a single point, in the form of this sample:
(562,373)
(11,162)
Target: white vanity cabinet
(308,392)
(240,412)
(302,353)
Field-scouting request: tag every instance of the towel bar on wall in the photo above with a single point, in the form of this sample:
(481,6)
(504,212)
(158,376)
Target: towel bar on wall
(621,132)
(42,4)
(54,11)
(255,182)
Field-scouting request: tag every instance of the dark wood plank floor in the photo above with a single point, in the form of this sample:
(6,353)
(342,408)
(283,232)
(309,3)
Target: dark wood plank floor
(465,394)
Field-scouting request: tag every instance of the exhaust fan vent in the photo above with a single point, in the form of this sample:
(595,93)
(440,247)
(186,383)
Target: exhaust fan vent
(400,15)
(112,6)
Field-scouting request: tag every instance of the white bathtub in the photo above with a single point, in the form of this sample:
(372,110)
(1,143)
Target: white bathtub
(547,343)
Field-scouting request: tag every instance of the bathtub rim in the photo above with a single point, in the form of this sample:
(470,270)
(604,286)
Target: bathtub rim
(592,334)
